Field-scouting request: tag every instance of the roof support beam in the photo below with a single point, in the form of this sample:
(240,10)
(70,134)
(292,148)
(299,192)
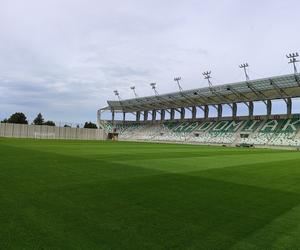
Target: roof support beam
(190,101)
(169,103)
(181,103)
(279,90)
(168,111)
(238,94)
(265,89)
(208,99)
(257,92)
(224,98)
(145,105)
(201,108)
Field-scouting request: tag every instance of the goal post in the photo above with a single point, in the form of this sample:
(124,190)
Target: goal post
(39,135)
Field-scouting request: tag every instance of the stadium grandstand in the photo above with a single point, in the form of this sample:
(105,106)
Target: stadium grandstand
(250,130)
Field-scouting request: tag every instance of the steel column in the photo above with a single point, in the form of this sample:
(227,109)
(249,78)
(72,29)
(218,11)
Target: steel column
(269,107)
(162,115)
(138,116)
(206,111)
(172,114)
(182,113)
(220,111)
(113,115)
(153,115)
(251,109)
(146,115)
(234,110)
(289,105)
(194,112)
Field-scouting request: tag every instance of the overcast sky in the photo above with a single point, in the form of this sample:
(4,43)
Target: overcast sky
(65,57)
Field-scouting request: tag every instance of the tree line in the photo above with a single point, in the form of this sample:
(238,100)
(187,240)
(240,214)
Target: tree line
(20,118)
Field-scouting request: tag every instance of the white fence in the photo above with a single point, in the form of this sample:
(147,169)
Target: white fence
(49,132)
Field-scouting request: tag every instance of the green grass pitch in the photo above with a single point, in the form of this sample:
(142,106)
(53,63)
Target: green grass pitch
(125,195)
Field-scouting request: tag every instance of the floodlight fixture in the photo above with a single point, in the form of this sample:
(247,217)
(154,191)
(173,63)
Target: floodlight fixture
(153,86)
(116,92)
(293,60)
(207,76)
(177,79)
(244,66)
(134,92)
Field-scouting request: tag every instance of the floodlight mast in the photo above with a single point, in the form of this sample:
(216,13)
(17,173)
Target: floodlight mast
(134,92)
(153,86)
(207,76)
(116,92)
(177,79)
(245,66)
(293,60)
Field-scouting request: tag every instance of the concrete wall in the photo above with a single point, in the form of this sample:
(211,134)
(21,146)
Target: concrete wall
(49,132)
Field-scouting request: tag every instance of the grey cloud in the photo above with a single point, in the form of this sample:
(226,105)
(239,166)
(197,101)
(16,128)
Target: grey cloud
(64,57)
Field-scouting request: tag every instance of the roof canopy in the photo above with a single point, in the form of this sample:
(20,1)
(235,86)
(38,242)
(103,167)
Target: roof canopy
(278,87)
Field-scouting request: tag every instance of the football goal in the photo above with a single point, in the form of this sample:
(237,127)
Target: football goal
(38,135)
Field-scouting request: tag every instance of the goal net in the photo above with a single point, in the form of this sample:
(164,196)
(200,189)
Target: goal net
(38,135)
